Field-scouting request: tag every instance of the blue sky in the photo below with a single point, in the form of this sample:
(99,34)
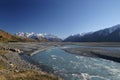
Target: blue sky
(60,17)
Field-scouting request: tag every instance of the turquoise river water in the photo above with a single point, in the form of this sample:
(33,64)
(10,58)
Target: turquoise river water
(75,67)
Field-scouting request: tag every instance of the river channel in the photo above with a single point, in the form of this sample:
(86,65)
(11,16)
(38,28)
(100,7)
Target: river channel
(75,67)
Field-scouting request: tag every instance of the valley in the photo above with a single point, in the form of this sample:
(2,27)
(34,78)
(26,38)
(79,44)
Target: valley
(59,40)
(36,56)
(31,58)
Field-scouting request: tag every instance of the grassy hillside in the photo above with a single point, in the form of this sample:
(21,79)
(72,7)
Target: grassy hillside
(6,37)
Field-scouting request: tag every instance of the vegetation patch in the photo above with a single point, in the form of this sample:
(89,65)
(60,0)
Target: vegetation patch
(2,65)
(2,52)
(28,75)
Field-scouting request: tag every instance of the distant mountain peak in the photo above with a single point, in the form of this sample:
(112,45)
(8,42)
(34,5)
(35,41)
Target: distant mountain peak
(111,34)
(38,36)
(113,28)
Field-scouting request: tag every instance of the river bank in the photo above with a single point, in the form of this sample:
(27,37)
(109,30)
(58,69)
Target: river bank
(18,64)
(76,67)
(39,50)
(21,62)
(33,48)
(95,52)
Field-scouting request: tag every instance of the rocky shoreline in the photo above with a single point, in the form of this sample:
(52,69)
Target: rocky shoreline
(16,60)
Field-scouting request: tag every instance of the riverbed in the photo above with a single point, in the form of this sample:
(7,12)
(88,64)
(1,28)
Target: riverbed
(76,67)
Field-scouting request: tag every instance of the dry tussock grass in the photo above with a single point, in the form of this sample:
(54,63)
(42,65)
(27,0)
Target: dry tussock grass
(2,52)
(2,77)
(29,75)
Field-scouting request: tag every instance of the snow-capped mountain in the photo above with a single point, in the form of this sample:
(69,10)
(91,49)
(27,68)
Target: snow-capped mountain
(111,34)
(74,38)
(111,29)
(26,34)
(108,31)
(39,36)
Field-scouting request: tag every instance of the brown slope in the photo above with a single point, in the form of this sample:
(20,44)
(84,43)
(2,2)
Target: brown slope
(6,37)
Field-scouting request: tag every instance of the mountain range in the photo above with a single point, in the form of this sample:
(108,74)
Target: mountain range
(111,34)
(39,37)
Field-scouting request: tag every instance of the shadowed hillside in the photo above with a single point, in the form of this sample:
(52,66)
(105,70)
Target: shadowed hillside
(111,34)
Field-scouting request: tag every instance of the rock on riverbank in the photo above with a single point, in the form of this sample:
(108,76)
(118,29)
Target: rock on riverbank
(14,67)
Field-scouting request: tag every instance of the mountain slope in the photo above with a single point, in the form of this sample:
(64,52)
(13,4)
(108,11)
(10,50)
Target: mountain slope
(6,37)
(111,34)
(37,37)
(73,38)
